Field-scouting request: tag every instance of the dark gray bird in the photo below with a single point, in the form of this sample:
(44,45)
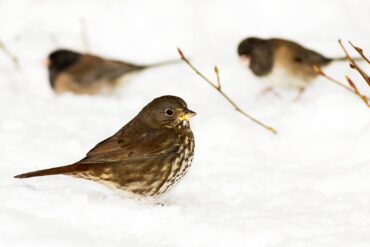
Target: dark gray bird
(284,62)
(146,157)
(70,71)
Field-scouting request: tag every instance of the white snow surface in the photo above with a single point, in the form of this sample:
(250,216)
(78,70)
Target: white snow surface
(307,186)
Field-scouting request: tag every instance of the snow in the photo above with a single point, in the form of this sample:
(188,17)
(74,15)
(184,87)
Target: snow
(307,186)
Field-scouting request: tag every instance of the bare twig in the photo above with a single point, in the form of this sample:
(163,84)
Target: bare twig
(353,89)
(12,57)
(359,51)
(217,86)
(319,71)
(363,97)
(354,65)
(84,38)
(352,86)
(217,72)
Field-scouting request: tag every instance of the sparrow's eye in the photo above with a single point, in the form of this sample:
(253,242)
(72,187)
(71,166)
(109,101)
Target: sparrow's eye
(169,112)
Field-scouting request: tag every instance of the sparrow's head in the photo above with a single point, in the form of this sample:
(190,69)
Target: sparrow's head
(60,60)
(166,112)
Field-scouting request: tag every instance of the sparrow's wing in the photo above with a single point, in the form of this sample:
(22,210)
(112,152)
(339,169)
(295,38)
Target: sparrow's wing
(122,152)
(310,57)
(132,147)
(126,146)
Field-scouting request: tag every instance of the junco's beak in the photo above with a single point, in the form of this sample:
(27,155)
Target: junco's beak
(245,60)
(187,115)
(46,62)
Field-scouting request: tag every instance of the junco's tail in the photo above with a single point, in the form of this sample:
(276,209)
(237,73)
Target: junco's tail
(50,171)
(128,67)
(164,63)
(345,59)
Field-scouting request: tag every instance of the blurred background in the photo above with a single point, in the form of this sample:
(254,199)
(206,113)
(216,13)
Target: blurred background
(307,186)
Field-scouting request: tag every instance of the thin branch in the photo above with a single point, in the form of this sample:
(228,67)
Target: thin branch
(217,72)
(12,57)
(359,51)
(218,88)
(84,36)
(354,65)
(319,71)
(363,97)
(353,89)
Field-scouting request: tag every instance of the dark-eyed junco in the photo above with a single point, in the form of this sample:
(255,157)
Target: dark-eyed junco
(146,157)
(284,62)
(70,71)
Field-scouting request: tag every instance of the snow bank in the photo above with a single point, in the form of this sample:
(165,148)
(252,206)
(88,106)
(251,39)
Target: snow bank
(308,186)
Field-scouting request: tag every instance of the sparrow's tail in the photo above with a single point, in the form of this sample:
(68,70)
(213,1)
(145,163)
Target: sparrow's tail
(345,59)
(50,171)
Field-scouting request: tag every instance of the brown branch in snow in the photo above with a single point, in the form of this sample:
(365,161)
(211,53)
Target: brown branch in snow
(217,86)
(360,51)
(12,57)
(353,89)
(364,98)
(217,72)
(319,71)
(354,65)
(352,86)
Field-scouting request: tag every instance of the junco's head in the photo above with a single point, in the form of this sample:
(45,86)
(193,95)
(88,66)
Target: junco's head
(246,47)
(251,47)
(62,59)
(257,54)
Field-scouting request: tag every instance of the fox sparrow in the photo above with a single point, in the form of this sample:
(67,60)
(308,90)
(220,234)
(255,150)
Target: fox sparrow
(146,157)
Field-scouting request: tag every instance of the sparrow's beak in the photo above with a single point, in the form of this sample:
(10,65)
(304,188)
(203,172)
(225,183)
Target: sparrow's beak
(245,60)
(187,115)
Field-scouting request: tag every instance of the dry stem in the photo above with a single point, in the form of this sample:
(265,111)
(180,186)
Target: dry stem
(359,51)
(217,72)
(354,65)
(353,89)
(363,97)
(217,86)
(12,57)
